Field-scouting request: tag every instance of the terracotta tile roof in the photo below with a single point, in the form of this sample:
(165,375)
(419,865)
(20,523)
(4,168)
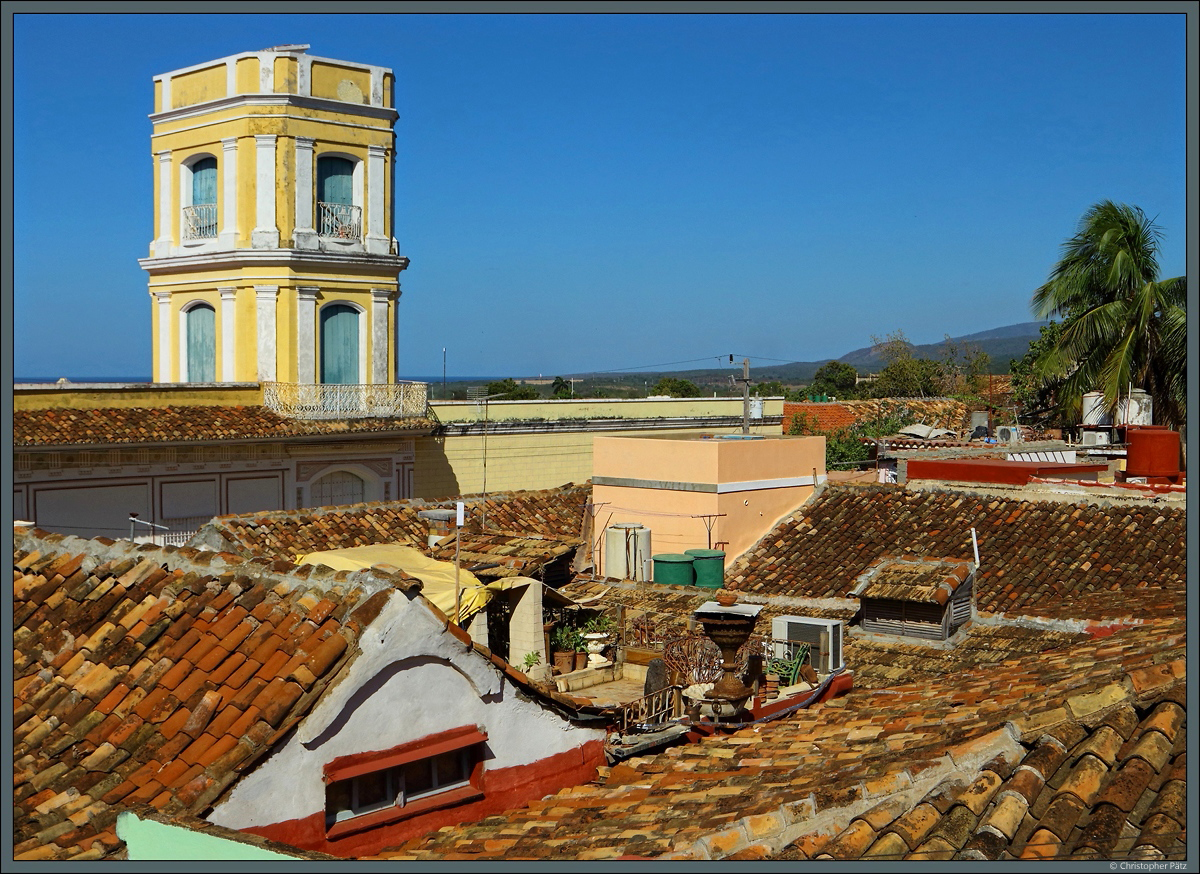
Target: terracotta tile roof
(803,782)
(548,513)
(908,580)
(1040,558)
(155,675)
(1114,789)
(183,424)
(835,416)
(516,554)
(821,415)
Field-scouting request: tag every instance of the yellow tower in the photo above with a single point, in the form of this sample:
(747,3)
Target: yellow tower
(274,258)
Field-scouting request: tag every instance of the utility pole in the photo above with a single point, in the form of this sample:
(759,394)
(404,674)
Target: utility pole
(745,395)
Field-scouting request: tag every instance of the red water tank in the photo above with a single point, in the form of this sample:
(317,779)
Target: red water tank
(1151,451)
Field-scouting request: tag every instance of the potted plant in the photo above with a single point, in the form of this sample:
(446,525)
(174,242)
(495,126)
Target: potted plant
(563,641)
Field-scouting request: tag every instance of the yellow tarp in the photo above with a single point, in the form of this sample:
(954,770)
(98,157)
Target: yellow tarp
(437,577)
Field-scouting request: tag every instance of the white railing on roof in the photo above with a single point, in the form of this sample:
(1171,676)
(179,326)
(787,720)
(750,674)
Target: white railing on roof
(400,400)
(182,529)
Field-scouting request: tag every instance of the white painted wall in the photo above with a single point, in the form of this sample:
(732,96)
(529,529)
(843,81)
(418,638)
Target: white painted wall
(410,680)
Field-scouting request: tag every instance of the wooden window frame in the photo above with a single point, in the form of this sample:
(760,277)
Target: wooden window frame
(468,739)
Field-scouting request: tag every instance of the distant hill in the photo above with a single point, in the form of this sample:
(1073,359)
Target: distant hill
(1000,344)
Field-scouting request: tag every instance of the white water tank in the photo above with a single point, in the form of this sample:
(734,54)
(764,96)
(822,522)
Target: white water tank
(1137,409)
(1093,409)
(627,552)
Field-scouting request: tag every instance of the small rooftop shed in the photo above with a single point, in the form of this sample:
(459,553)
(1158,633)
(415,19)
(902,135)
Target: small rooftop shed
(926,598)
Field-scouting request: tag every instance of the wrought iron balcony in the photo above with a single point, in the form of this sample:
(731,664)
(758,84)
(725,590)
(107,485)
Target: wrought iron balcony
(398,400)
(339,221)
(200,221)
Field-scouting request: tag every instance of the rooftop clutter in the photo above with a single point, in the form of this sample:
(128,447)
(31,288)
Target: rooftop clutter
(1055,729)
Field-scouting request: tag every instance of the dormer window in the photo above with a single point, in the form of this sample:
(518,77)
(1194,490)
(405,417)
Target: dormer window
(338,217)
(200,213)
(368,790)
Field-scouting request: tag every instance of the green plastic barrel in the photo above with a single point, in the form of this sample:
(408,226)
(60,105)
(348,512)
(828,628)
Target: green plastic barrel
(673,569)
(710,567)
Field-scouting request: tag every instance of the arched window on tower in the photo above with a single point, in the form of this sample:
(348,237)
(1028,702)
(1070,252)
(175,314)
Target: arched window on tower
(201,356)
(200,214)
(340,354)
(338,216)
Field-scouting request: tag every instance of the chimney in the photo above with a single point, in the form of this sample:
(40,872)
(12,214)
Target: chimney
(441,523)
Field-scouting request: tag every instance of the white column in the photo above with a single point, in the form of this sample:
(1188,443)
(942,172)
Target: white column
(376,86)
(228,334)
(304,75)
(266,72)
(304,236)
(231,77)
(163,362)
(306,338)
(227,238)
(165,93)
(266,297)
(379,334)
(377,240)
(162,245)
(265,234)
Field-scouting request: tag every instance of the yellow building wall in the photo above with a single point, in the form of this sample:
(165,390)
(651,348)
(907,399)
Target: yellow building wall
(187,288)
(326,79)
(287,78)
(247,75)
(600,408)
(198,86)
(125,397)
(185,139)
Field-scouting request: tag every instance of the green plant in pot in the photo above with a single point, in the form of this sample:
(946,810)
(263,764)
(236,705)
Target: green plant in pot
(563,641)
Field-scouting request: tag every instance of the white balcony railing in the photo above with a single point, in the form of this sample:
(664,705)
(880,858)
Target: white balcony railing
(200,221)
(400,400)
(341,221)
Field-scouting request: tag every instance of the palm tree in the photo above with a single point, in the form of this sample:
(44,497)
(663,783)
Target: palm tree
(1122,327)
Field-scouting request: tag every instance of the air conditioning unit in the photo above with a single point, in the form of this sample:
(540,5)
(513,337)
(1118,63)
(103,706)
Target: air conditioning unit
(823,636)
(1095,438)
(1008,433)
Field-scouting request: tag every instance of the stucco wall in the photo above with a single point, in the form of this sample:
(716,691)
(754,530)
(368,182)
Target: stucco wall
(454,464)
(669,484)
(600,408)
(85,396)
(410,680)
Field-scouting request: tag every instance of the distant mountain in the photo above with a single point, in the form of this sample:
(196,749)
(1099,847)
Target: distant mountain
(1000,344)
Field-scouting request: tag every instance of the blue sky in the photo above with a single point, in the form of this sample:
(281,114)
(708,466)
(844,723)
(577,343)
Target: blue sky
(595,192)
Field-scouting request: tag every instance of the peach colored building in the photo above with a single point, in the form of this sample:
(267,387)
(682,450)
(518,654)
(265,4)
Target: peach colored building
(680,486)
